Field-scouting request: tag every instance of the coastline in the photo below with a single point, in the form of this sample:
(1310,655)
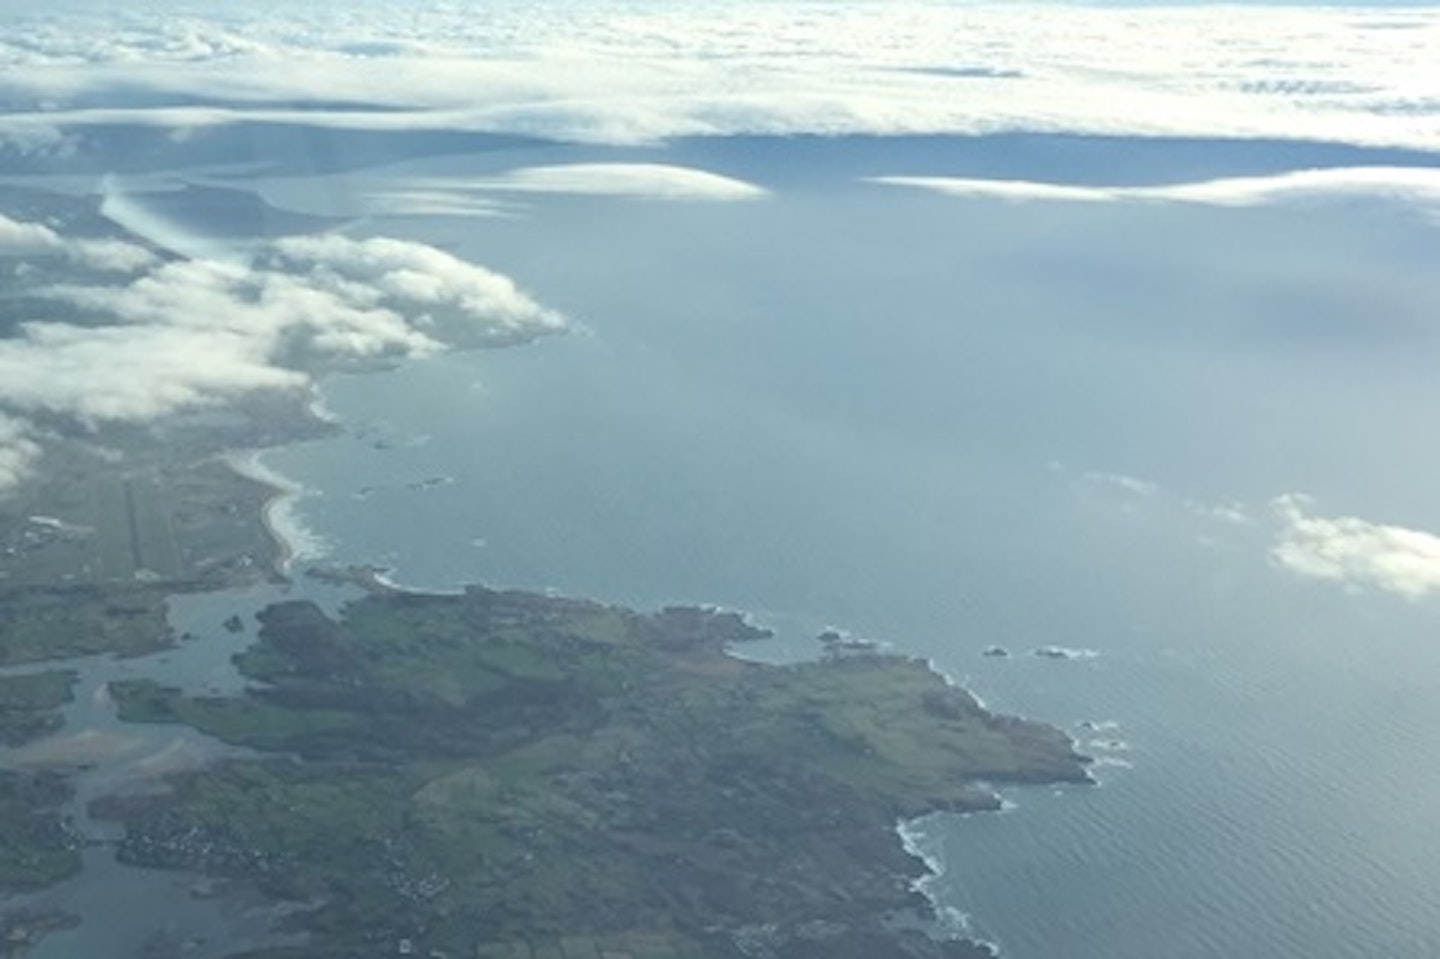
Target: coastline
(950,922)
(946,931)
(292,540)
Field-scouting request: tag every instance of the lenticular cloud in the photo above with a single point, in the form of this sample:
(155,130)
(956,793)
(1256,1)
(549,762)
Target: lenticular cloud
(1416,186)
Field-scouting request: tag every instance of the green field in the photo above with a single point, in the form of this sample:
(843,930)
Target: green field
(97,521)
(88,557)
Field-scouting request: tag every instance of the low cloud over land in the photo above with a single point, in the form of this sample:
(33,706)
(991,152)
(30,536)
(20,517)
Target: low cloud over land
(194,334)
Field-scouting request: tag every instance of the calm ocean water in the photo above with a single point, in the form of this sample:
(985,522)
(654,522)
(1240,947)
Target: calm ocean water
(949,424)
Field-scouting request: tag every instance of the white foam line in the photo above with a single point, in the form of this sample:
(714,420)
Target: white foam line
(385,578)
(294,540)
(951,921)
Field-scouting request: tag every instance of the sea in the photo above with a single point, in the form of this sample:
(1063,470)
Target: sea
(961,425)
(955,423)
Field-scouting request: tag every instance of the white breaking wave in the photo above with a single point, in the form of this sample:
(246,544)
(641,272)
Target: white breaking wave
(281,516)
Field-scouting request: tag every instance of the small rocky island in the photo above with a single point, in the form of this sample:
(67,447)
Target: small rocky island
(511,774)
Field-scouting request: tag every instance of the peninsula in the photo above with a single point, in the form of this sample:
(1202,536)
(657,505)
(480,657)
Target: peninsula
(512,774)
(494,774)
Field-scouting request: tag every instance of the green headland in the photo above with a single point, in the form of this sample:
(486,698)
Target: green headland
(511,774)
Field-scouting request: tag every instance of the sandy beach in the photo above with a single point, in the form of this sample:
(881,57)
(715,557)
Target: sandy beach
(292,539)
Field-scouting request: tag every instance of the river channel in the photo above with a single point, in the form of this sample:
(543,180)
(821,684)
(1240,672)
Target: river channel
(123,910)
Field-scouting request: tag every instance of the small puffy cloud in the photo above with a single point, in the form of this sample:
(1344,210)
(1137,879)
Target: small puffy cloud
(655,181)
(1354,552)
(18,452)
(1232,513)
(1121,483)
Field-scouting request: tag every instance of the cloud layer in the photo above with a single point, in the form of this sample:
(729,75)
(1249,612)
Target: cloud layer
(1355,552)
(627,72)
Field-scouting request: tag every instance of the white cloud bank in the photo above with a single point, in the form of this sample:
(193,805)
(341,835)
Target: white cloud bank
(643,69)
(1411,185)
(196,333)
(1125,484)
(1354,552)
(190,335)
